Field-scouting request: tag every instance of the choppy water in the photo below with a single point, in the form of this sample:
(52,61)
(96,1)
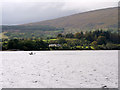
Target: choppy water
(60,69)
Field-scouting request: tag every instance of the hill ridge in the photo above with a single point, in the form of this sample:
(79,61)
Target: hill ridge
(101,18)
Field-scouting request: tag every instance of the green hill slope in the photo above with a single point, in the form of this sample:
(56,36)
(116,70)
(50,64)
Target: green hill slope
(103,18)
(86,21)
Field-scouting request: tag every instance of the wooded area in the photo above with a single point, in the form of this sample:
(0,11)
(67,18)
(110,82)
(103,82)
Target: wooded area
(93,40)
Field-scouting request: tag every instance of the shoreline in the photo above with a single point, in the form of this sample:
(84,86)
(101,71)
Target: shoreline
(56,50)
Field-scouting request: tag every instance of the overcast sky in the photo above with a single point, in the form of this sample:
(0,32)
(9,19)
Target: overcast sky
(27,11)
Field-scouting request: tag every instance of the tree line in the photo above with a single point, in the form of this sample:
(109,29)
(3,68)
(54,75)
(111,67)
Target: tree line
(93,40)
(30,27)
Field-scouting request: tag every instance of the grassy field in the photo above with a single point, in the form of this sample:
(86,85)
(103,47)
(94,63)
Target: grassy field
(3,36)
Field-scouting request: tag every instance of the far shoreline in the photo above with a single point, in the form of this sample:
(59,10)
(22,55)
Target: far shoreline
(52,50)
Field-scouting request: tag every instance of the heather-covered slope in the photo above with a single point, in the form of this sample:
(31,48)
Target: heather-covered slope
(103,18)
(92,20)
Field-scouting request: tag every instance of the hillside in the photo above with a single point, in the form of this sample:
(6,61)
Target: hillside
(86,21)
(103,18)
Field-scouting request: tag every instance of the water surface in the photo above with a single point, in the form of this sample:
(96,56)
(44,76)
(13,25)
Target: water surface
(60,69)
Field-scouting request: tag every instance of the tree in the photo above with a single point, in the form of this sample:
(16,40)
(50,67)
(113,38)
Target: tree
(94,43)
(41,45)
(13,44)
(59,35)
(111,46)
(61,41)
(89,37)
(78,35)
(101,40)
(69,35)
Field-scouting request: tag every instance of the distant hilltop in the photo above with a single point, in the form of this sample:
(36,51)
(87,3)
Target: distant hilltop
(102,18)
(106,19)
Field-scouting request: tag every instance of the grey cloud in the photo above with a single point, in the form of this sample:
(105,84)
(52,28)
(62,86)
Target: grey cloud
(19,13)
(27,12)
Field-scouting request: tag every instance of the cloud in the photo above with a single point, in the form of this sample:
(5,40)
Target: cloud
(19,11)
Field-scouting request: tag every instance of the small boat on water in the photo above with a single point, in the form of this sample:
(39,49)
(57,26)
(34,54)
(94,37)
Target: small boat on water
(104,86)
(31,53)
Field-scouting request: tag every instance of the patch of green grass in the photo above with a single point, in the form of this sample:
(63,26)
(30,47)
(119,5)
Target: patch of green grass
(78,46)
(92,47)
(45,40)
(3,36)
(71,39)
(53,39)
